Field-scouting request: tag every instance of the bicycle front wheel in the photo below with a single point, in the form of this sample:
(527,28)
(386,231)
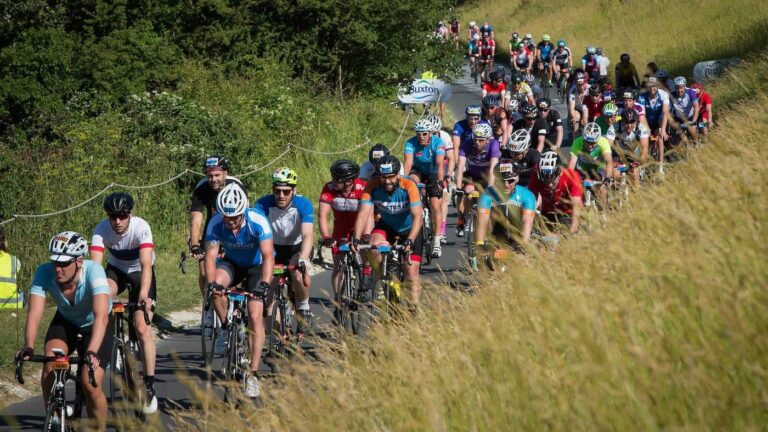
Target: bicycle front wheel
(343,300)
(55,419)
(208,331)
(121,383)
(279,334)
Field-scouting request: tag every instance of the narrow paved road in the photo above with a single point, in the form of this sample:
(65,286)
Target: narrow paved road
(179,353)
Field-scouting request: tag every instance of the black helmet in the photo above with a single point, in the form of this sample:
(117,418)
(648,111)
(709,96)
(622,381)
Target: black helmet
(594,90)
(629,93)
(629,115)
(388,165)
(214,161)
(530,111)
(377,152)
(118,203)
(342,170)
(518,78)
(491,101)
(498,73)
(624,57)
(544,103)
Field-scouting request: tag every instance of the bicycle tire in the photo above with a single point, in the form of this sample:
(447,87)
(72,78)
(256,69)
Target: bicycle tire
(121,384)
(470,228)
(363,314)
(427,238)
(50,414)
(230,358)
(278,335)
(208,334)
(343,298)
(134,379)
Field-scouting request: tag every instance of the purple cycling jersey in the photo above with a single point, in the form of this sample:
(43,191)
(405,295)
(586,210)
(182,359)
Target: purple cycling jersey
(478,162)
(682,106)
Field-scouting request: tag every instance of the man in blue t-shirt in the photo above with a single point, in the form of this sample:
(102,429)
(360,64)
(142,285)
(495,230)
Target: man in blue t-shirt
(291,217)
(79,289)
(513,207)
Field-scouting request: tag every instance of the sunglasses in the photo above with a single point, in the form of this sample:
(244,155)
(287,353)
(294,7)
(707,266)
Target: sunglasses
(512,180)
(62,264)
(119,217)
(282,191)
(421,134)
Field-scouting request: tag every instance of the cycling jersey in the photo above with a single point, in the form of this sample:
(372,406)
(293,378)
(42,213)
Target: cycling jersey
(521,58)
(654,106)
(628,144)
(609,132)
(520,94)
(479,161)
(492,88)
(639,109)
(368,171)
(515,44)
(243,248)
(554,121)
(704,100)
(474,48)
(593,158)
(537,129)
(625,74)
(576,97)
(486,48)
(205,197)
(455,27)
(286,223)
(394,208)
(486,29)
(594,105)
(561,56)
(525,166)
(79,311)
(495,120)
(682,106)
(425,157)
(589,64)
(344,206)
(545,50)
(462,130)
(520,197)
(568,187)
(123,249)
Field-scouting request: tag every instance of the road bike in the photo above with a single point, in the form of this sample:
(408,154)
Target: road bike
(387,291)
(237,358)
(470,220)
(353,310)
(427,234)
(60,413)
(282,324)
(591,214)
(126,387)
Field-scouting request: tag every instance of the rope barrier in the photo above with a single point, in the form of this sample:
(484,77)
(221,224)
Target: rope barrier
(267,164)
(30,216)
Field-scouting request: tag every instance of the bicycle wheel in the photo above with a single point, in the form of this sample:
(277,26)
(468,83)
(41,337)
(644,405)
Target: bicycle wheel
(231,359)
(363,313)
(343,299)
(470,227)
(121,397)
(208,332)
(54,420)
(278,335)
(427,238)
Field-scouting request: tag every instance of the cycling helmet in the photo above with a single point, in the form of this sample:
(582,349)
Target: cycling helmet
(561,43)
(529,78)
(483,130)
(497,75)
(594,90)
(697,87)
(437,124)
(473,110)
(422,125)
(377,152)
(662,74)
(624,57)
(232,200)
(544,103)
(530,111)
(680,81)
(545,37)
(599,51)
(629,94)
(591,49)
(342,170)
(67,246)
(517,79)
(652,82)
(283,176)
(472,23)
(549,167)
(592,132)
(213,162)
(609,96)
(388,165)
(476,37)
(514,105)
(580,77)
(118,203)
(507,170)
(610,110)
(490,101)
(629,116)
(519,141)
(515,35)
(528,36)
(440,24)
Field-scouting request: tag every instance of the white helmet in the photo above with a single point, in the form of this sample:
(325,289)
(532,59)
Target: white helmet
(483,130)
(232,200)
(422,125)
(519,141)
(472,23)
(680,81)
(67,246)
(548,167)
(437,124)
(528,36)
(514,104)
(592,132)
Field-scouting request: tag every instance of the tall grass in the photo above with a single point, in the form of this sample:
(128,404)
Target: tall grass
(657,321)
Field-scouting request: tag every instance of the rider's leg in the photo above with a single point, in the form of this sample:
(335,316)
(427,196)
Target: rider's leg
(201,281)
(411,272)
(300,290)
(377,237)
(144,330)
(256,334)
(225,274)
(95,400)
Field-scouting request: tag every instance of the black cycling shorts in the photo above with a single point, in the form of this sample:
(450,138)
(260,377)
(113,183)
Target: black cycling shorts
(284,253)
(481,181)
(431,184)
(248,276)
(132,282)
(417,248)
(64,330)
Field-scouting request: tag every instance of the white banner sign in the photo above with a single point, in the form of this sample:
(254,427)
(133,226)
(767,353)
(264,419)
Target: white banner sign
(711,70)
(426,90)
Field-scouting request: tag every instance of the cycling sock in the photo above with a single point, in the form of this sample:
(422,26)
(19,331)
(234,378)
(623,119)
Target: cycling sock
(149,381)
(442,228)
(367,270)
(303,305)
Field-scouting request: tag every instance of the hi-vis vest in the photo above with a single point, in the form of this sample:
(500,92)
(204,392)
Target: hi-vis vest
(9,295)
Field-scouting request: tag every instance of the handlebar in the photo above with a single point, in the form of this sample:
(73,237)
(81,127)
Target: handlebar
(48,359)
(135,306)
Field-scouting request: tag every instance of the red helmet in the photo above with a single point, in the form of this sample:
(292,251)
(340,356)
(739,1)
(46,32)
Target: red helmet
(697,87)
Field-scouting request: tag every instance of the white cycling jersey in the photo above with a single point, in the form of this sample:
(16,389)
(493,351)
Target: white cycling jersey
(123,250)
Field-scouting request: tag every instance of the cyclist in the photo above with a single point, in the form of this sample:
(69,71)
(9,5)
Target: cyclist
(551,116)
(522,60)
(608,122)
(558,191)
(521,91)
(487,29)
(341,198)
(593,101)
(496,86)
(473,30)
(537,127)
(631,144)
(665,83)
(477,157)
(685,107)
(496,116)
(462,129)
(473,52)
(602,62)
(578,113)
(487,53)
(562,61)
(589,62)
(424,157)
(592,157)
(368,169)
(656,104)
(513,111)
(449,168)
(397,199)
(544,51)
(529,43)
(514,44)
(536,89)
(705,113)
(291,218)
(629,97)
(245,236)
(455,30)
(513,207)
(79,289)
(441,31)
(127,240)
(626,73)
(519,152)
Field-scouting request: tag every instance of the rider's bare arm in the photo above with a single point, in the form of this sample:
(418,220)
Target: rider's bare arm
(145,260)
(323,212)
(307,240)
(34,315)
(267,249)
(211,252)
(195,222)
(100,321)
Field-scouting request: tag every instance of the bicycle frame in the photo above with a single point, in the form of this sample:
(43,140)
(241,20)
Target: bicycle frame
(281,319)
(126,353)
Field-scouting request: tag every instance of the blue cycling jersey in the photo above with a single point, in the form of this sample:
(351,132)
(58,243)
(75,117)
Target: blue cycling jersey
(286,223)
(425,157)
(395,207)
(520,197)
(654,106)
(79,312)
(243,248)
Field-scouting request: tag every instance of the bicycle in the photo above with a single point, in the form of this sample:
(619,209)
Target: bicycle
(282,323)
(426,228)
(237,360)
(126,389)
(474,66)
(591,212)
(210,324)
(470,216)
(389,283)
(486,66)
(561,79)
(353,312)
(59,412)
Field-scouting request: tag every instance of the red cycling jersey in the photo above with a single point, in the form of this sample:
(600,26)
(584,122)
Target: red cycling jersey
(569,186)
(486,47)
(704,100)
(594,106)
(344,207)
(495,89)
